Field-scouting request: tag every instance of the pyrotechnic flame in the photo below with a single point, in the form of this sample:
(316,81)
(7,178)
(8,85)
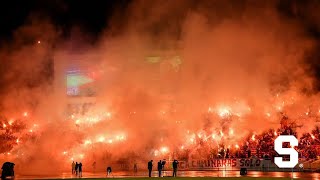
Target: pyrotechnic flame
(231,131)
(224,111)
(81,156)
(25,114)
(312,136)
(253,138)
(192,140)
(164,149)
(156,153)
(275,133)
(101,139)
(221,133)
(86,142)
(10,122)
(213,136)
(206,137)
(237,146)
(122,137)
(4,125)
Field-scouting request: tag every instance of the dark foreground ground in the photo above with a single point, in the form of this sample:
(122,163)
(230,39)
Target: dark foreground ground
(182,175)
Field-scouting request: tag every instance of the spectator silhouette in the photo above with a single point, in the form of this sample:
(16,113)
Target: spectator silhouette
(150,167)
(73,165)
(135,168)
(175,168)
(109,170)
(80,169)
(77,168)
(160,167)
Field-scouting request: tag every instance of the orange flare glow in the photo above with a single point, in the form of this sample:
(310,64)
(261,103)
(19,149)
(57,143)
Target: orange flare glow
(231,131)
(164,149)
(10,122)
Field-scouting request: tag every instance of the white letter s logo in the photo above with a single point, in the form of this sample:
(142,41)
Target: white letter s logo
(286,151)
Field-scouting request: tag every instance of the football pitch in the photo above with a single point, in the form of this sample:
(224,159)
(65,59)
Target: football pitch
(187,178)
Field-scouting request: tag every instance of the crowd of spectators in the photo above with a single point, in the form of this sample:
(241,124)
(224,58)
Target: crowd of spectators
(262,145)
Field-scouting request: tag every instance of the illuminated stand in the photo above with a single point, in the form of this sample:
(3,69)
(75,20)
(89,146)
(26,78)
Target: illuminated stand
(76,78)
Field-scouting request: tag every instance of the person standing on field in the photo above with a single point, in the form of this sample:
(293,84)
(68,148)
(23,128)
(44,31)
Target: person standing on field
(175,168)
(150,167)
(73,165)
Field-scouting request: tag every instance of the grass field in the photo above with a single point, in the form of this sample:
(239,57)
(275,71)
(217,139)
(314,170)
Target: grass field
(189,178)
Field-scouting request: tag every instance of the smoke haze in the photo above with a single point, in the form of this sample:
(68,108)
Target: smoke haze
(224,65)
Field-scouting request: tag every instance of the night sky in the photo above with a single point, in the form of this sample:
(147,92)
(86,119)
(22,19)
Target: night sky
(93,17)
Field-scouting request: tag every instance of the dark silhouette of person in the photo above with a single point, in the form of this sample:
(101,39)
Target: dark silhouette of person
(160,167)
(163,162)
(73,165)
(228,153)
(80,169)
(7,170)
(135,168)
(77,168)
(175,168)
(109,170)
(150,167)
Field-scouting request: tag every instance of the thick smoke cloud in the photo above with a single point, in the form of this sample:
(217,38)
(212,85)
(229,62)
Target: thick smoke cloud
(217,58)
